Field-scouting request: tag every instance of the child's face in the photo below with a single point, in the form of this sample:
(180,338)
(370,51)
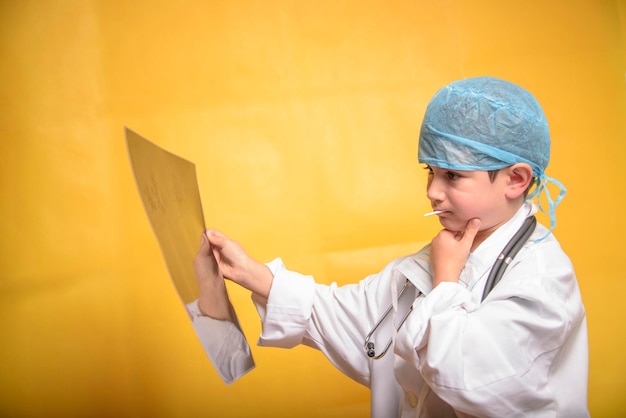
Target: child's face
(465,195)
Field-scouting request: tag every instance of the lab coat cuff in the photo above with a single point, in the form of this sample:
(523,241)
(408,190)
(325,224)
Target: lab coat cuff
(286,313)
(223,343)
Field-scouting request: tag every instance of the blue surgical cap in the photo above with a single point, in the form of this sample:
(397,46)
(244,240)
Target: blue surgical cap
(485,123)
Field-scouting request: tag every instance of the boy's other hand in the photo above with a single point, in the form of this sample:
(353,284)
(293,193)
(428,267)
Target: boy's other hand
(213,300)
(449,251)
(235,264)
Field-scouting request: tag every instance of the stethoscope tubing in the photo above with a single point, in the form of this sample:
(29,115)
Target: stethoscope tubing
(508,254)
(369,345)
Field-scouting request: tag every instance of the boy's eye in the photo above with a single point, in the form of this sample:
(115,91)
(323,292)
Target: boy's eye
(451,175)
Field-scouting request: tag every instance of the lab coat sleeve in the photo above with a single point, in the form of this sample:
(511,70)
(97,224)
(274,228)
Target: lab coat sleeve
(287,311)
(224,344)
(330,318)
(493,359)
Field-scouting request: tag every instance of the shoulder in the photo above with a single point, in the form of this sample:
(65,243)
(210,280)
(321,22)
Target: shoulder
(545,250)
(542,270)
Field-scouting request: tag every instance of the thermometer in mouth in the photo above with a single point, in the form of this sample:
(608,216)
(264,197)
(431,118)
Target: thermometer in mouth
(437,212)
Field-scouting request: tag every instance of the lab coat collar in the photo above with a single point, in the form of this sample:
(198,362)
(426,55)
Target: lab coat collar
(482,259)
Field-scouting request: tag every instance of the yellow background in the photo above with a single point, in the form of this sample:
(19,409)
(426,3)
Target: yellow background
(302,118)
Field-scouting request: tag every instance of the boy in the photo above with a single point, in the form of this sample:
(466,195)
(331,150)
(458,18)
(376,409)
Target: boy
(444,351)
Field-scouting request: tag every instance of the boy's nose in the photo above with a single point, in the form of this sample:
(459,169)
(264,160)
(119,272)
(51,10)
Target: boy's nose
(434,192)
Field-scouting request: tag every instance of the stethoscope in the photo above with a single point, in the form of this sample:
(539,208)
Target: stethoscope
(509,252)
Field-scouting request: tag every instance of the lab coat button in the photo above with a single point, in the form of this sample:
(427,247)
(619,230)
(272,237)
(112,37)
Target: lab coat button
(412,399)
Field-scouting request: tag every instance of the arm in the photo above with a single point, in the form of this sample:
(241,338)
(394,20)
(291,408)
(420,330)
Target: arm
(333,319)
(296,310)
(213,301)
(214,319)
(494,358)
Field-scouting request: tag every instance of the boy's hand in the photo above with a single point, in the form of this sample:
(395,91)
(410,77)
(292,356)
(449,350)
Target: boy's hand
(235,264)
(213,300)
(449,251)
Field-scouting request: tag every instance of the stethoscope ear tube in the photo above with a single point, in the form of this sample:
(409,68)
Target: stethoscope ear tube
(508,254)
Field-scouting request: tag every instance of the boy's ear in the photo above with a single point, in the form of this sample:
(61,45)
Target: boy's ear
(520,176)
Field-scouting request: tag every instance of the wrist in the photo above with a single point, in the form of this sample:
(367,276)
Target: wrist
(438,280)
(258,279)
(213,300)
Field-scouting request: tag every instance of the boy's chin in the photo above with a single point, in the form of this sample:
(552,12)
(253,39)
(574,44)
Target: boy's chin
(453,225)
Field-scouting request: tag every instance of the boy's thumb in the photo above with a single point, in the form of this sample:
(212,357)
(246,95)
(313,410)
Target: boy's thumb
(216,238)
(471,229)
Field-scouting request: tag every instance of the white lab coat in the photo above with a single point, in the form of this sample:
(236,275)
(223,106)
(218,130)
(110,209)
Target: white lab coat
(521,352)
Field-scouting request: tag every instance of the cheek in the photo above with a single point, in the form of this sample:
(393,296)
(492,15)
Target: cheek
(488,208)
(467,207)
